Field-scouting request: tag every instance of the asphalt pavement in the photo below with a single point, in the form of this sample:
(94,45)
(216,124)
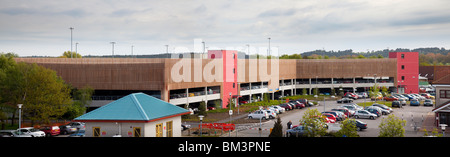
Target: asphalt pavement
(416,119)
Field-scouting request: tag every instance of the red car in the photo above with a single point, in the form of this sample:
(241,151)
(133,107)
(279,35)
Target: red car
(351,95)
(297,104)
(50,130)
(286,106)
(390,98)
(330,116)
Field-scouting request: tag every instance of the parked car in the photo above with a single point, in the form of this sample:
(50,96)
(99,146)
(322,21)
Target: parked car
(12,133)
(79,133)
(362,95)
(185,126)
(298,131)
(211,108)
(78,125)
(396,103)
(330,116)
(273,109)
(426,95)
(418,96)
(345,100)
(50,130)
(297,104)
(364,114)
(279,108)
(260,114)
(31,131)
(286,106)
(304,101)
(67,129)
(402,101)
(271,113)
(375,110)
(360,125)
(339,115)
(414,102)
(428,102)
(352,107)
(390,98)
(386,110)
(351,95)
(410,97)
(344,110)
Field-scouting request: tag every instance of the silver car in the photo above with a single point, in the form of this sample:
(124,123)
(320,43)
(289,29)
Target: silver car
(13,133)
(364,114)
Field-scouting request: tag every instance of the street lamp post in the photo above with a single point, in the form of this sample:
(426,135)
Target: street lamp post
(76,48)
(20,115)
(443,129)
(201,124)
(112,43)
(268,51)
(71,31)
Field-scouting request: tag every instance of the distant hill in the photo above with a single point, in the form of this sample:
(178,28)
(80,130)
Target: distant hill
(384,53)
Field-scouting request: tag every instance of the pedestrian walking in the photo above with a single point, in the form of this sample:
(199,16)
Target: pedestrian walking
(289,124)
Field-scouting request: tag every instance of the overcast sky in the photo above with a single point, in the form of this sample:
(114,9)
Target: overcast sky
(42,27)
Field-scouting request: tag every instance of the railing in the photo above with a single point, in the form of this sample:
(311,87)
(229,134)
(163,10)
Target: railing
(192,94)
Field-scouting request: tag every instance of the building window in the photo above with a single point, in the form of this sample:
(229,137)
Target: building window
(403,77)
(234,85)
(234,70)
(403,56)
(403,67)
(445,94)
(159,130)
(234,56)
(169,132)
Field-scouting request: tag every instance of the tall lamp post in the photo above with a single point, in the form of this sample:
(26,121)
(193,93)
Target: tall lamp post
(443,129)
(20,115)
(71,31)
(201,124)
(112,48)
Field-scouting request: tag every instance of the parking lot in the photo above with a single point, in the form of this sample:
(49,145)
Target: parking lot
(414,115)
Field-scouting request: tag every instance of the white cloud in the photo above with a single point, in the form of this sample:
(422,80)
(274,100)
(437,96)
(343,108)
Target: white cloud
(41,27)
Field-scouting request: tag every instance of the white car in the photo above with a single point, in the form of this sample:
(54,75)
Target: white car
(260,114)
(272,114)
(282,110)
(273,109)
(32,131)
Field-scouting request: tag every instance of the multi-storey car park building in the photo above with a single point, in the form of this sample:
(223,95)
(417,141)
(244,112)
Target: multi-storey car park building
(223,74)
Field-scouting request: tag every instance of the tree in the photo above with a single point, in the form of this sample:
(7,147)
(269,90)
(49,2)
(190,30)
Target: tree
(316,91)
(314,122)
(43,94)
(266,97)
(84,95)
(82,99)
(70,54)
(392,127)
(384,91)
(46,96)
(277,130)
(348,129)
(373,91)
(202,109)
